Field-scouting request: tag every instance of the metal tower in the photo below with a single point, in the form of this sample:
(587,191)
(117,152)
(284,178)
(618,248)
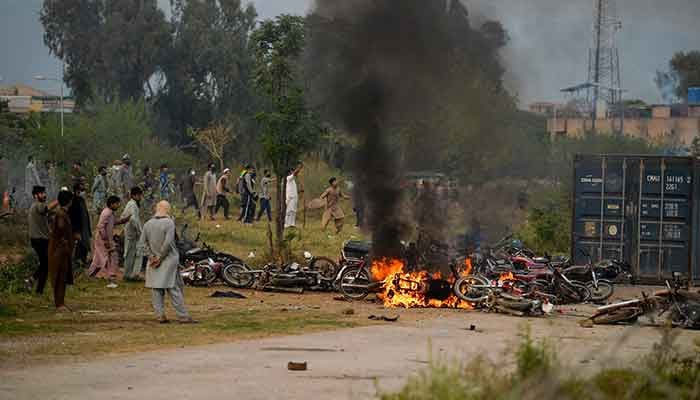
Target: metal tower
(604,58)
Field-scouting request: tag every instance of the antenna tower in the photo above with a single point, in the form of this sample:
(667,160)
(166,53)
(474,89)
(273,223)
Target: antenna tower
(604,58)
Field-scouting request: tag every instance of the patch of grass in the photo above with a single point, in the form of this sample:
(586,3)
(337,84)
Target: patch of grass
(663,374)
(259,322)
(14,276)
(121,320)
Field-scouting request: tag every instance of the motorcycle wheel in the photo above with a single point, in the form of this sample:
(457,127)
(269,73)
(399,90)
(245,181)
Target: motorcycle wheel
(603,292)
(465,289)
(575,292)
(627,315)
(235,275)
(325,266)
(354,276)
(203,275)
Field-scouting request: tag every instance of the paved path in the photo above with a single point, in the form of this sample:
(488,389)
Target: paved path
(342,364)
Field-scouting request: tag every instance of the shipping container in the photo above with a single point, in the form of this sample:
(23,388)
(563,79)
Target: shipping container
(641,209)
(694,95)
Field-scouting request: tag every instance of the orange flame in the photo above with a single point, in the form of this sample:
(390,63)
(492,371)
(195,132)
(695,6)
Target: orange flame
(505,277)
(408,289)
(467,266)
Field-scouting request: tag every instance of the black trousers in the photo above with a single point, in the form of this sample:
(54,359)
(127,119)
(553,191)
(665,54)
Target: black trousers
(41,247)
(191,201)
(248,208)
(265,208)
(221,201)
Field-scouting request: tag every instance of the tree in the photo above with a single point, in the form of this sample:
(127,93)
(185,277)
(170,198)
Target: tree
(290,129)
(111,47)
(214,140)
(206,70)
(683,73)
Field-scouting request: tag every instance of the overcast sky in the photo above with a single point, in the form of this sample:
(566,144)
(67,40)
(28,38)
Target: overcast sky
(548,49)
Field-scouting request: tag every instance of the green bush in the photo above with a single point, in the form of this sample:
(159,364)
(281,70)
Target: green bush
(663,374)
(102,134)
(14,278)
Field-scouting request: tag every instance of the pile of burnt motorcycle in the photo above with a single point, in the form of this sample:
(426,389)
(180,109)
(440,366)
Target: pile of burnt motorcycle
(510,277)
(505,277)
(201,265)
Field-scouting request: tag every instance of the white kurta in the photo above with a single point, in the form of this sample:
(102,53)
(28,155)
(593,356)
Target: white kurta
(292,201)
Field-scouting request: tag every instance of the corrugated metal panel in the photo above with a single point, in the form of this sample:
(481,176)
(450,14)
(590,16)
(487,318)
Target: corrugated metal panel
(636,208)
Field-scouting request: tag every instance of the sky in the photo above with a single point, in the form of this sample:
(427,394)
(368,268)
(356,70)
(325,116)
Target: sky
(548,48)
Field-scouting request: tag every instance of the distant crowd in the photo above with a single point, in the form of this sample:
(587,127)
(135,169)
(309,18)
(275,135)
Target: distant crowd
(63,236)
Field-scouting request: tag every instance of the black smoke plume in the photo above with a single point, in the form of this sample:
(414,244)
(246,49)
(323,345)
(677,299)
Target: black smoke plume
(396,74)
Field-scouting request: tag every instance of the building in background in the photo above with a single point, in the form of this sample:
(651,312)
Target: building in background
(23,99)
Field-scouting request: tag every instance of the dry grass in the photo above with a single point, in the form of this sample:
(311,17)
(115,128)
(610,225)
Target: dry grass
(113,321)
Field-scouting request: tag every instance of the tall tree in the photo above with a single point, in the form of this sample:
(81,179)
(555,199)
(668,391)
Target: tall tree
(683,72)
(111,47)
(290,129)
(207,68)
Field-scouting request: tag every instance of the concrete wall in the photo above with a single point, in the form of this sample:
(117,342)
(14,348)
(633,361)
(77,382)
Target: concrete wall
(681,129)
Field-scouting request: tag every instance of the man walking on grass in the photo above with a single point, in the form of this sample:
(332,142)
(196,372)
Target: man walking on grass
(99,189)
(333,211)
(265,183)
(132,234)
(105,260)
(188,193)
(221,192)
(61,241)
(162,276)
(39,234)
(209,191)
(249,196)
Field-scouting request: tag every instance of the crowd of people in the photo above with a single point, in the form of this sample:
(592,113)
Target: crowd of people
(64,237)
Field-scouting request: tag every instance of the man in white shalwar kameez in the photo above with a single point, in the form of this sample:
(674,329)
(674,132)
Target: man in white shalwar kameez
(292,197)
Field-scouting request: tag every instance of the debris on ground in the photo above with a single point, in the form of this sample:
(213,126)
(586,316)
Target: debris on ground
(586,323)
(340,298)
(349,311)
(297,366)
(383,318)
(229,294)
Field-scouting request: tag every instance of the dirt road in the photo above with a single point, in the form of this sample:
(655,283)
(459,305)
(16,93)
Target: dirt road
(343,364)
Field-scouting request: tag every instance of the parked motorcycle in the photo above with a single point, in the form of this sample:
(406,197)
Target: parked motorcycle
(318,273)
(601,289)
(201,265)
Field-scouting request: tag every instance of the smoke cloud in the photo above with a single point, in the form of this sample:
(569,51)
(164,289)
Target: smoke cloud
(413,82)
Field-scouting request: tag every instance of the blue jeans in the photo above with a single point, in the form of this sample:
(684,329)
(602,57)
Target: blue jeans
(265,208)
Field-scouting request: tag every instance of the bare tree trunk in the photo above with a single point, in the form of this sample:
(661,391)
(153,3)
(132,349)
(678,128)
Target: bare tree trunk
(281,209)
